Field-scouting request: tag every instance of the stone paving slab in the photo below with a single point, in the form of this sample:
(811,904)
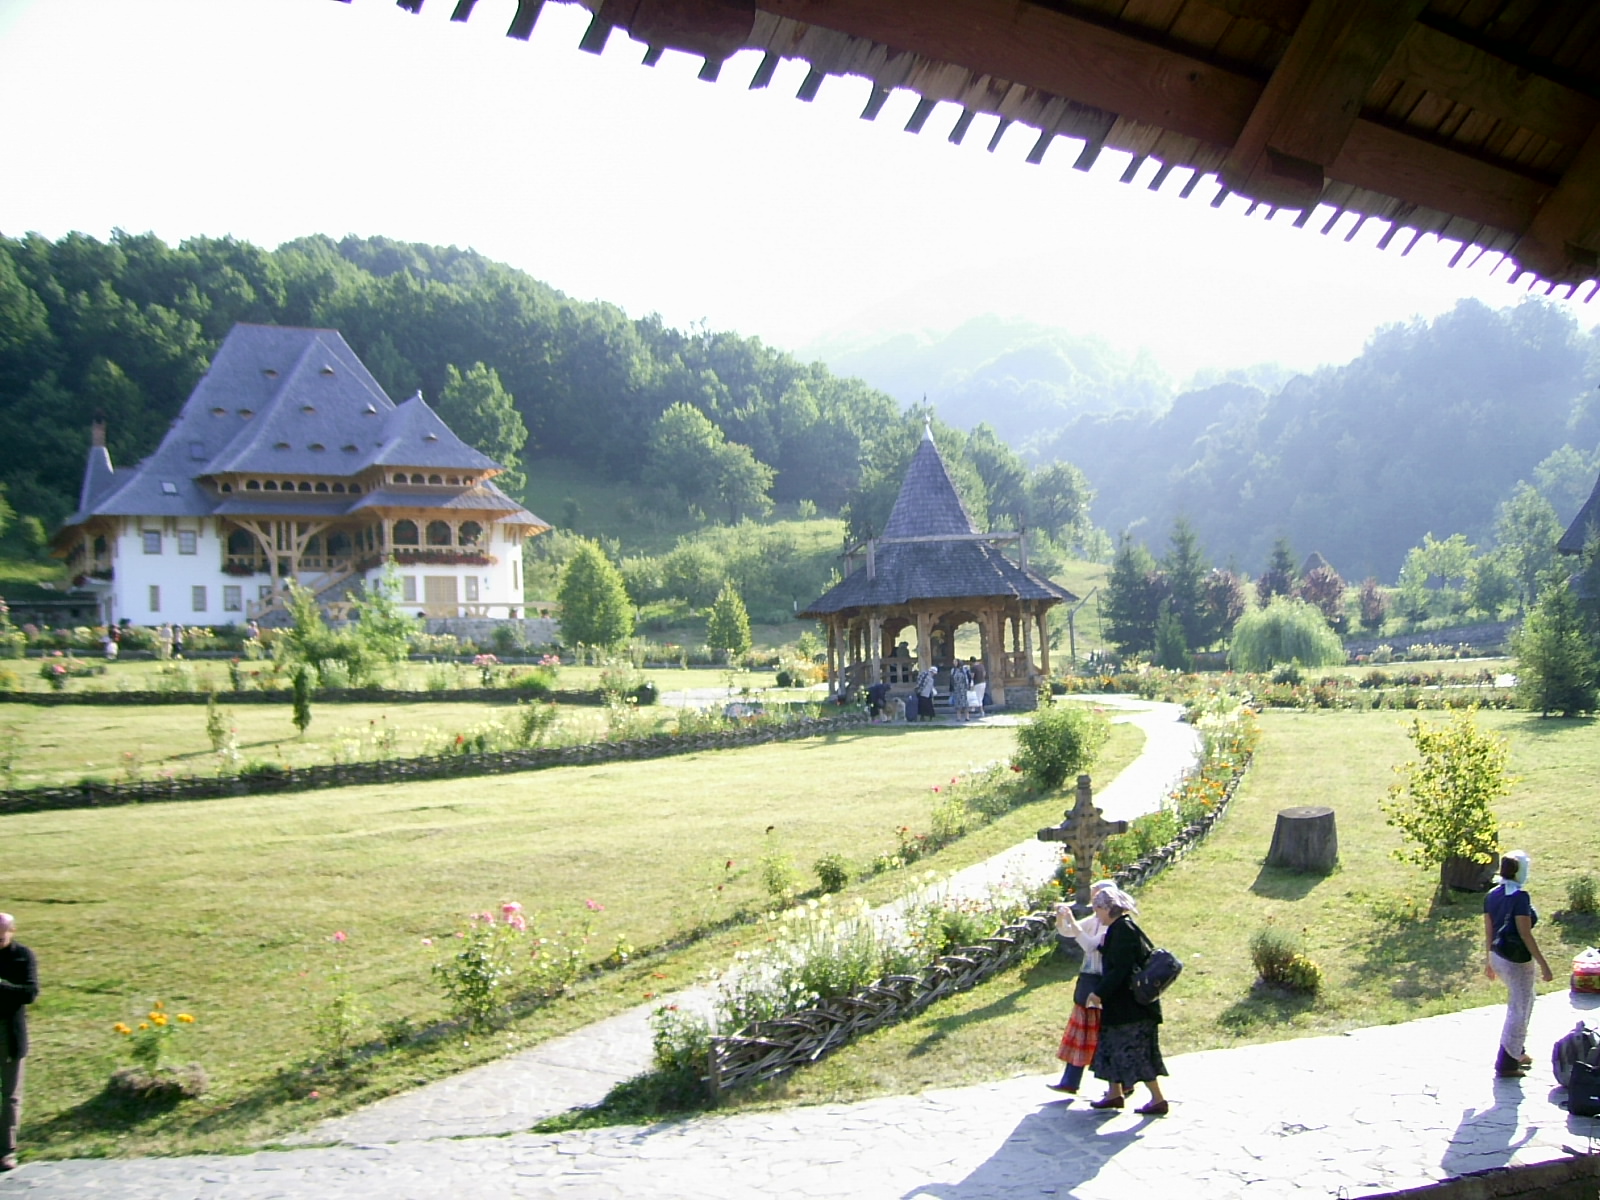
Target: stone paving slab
(1374,1110)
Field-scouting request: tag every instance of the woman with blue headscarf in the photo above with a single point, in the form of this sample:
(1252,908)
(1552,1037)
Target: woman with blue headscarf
(1509,954)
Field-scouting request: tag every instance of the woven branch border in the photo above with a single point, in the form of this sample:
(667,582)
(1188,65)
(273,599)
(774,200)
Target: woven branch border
(769,1049)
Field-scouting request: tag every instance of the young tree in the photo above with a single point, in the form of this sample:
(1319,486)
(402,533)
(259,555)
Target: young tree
(1133,595)
(1445,806)
(1323,589)
(381,626)
(1527,532)
(484,415)
(1374,605)
(1433,579)
(728,624)
(1285,631)
(1557,667)
(742,482)
(1279,577)
(595,608)
(1058,498)
(1186,569)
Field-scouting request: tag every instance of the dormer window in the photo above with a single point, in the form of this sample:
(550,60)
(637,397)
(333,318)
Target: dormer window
(370,411)
(348,447)
(219,411)
(430,437)
(318,446)
(308,408)
(280,445)
(247,413)
(270,373)
(168,488)
(326,370)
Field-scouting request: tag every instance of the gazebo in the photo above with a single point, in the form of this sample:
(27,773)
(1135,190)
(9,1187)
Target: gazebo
(931,573)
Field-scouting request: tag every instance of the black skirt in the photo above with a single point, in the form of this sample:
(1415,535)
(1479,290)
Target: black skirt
(1129,1054)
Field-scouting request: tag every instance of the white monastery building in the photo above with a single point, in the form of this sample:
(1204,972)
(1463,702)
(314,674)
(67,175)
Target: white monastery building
(288,461)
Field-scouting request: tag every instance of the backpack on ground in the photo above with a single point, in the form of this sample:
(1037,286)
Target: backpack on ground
(1581,1045)
(1583,1091)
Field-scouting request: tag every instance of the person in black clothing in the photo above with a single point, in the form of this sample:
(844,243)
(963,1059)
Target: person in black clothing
(19,987)
(1129,1051)
(877,697)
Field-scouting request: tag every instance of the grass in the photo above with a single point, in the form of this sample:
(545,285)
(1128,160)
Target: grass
(226,909)
(1388,953)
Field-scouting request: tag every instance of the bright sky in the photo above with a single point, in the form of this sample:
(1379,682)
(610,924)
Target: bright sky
(270,119)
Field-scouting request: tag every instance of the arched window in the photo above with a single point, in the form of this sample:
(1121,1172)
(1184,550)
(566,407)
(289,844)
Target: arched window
(241,543)
(339,545)
(405,533)
(338,487)
(355,489)
(288,485)
(269,486)
(322,487)
(438,533)
(305,486)
(437,480)
(416,479)
(452,480)
(252,485)
(470,532)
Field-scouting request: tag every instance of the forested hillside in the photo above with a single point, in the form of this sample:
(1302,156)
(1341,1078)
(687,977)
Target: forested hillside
(1428,431)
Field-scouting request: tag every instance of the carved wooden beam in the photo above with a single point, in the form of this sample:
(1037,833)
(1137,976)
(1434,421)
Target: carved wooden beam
(1311,103)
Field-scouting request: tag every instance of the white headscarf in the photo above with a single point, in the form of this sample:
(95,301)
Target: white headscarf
(1520,880)
(1111,896)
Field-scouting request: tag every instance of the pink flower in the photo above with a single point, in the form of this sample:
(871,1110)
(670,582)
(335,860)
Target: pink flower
(518,922)
(341,936)
(510,908)
(427,941)
(594,906)
(315,1095)
(936,787)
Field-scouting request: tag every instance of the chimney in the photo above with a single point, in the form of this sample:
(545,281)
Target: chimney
(97,433)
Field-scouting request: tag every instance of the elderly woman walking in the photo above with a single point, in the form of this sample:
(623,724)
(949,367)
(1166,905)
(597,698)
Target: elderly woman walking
(1129,1051)
(1509,952)
(1082,1034)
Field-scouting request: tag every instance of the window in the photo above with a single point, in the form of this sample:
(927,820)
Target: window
(232,598)
(155,597)
(405,533)
(438,533)
(264,591)
(186,541)
(152,540)
(470,534)
(197,597)
(471,582)
(408,589)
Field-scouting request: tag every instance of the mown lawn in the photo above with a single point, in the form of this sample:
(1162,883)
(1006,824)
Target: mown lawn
(227,909)
(1388,954)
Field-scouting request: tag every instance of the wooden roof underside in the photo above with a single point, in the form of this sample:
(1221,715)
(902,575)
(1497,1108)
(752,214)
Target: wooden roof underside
(1475,120)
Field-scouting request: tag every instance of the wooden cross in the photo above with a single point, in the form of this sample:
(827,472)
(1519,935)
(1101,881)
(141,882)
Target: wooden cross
(1083,831)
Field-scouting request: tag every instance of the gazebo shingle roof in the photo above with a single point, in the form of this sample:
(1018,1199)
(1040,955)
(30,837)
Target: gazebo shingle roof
(1577,533)
(932,550)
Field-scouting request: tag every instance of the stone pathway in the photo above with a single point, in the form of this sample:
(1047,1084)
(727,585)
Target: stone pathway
(1376,1110)
(517,1092)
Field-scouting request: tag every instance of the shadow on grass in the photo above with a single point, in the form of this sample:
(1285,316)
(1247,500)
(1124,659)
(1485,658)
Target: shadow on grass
(1532,725)
(1277,883)
(1047,970)
(1265,1006)
(1410,953)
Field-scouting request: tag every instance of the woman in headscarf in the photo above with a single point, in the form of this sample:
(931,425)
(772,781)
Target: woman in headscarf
(1510,951)
(1083,1027)
(1129,1051)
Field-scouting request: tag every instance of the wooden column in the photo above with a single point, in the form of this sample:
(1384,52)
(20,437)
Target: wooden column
(1027,642)
(833,656)
(1044,642)
(924,639)
(875,645)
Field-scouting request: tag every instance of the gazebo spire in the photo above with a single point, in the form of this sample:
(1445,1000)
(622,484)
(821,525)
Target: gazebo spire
(928,504)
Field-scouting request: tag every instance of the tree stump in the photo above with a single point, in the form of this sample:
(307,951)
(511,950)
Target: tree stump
(1467,875)
(1305,839)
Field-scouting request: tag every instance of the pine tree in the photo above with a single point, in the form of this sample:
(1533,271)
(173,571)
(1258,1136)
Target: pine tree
(728,624)
(1279,577)
(595,608)
(1133,599)
(1556,661)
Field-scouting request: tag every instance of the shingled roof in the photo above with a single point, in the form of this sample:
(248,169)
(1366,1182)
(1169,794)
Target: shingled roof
(932,550)
(282,401)
(1572,541)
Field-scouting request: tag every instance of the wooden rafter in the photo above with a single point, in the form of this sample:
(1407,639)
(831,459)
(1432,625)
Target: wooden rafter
(1310,105)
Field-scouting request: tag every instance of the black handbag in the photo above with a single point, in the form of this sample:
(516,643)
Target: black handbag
(1508,943)
(1155,976)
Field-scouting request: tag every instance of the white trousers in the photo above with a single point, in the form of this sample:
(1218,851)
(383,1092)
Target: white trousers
(1518,978)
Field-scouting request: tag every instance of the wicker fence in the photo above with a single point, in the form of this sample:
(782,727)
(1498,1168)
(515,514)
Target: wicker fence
(404,770)
(645,694)
(769,1049)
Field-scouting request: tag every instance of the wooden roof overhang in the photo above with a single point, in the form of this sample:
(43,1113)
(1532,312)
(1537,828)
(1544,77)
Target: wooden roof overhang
(1475,120)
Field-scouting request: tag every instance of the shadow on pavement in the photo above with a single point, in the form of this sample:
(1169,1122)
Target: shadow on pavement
(1037,1139)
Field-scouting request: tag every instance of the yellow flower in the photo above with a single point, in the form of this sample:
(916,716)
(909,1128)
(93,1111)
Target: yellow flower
(186,1018)
(144,1025)
(160,1005)
(158,1018)
(121,1028)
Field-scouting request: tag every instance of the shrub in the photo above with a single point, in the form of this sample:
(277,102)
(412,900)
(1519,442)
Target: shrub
(159,1086)
(1059,742)
(1278,961)
(1445,806)
(1581,895)
(778,875)
(1285,631)
(833,872)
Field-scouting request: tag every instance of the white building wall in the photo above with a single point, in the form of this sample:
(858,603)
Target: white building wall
(173,575)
